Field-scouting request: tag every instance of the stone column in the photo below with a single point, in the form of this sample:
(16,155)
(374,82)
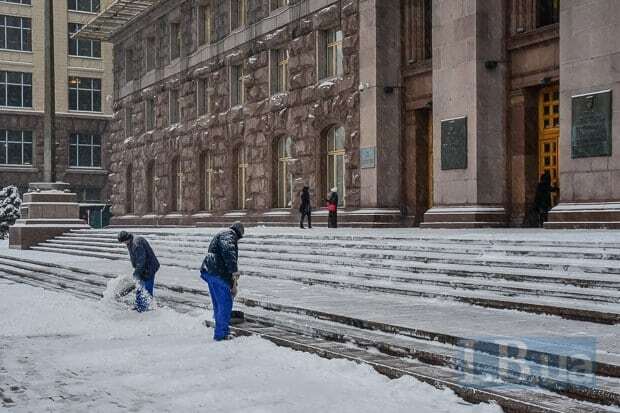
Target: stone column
(469,81)
(380,119)
(589,167)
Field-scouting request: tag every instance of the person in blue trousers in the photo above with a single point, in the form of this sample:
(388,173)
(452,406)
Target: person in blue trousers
(219,269)
(145,265)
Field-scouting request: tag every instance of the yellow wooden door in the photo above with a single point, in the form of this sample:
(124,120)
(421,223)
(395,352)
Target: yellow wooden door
(549,134)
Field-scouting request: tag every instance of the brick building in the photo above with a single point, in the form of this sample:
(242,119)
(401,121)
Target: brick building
(441,113)
(83,73)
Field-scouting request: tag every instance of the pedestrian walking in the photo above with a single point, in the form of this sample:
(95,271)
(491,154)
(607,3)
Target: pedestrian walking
(332,208)
(219,270)
(145,265)
(542,201)
(305,209)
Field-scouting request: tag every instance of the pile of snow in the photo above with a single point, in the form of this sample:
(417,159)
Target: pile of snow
(74,355)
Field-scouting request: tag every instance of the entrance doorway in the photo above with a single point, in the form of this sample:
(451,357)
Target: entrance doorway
(549,134)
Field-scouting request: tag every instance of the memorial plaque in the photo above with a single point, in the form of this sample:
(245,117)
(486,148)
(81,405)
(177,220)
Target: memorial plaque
(454,144)
(368,157)
(591,125)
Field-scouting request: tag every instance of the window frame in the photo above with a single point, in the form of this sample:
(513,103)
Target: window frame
(176,41)
(93,93)
(334,152)
(330,49)
(5,142)
(205,24)
(242,174)
(78,41)
(149,114)
(277,4)
(279,71)
(25,33)
(93,147)
(174,97)
(19,2)
(150,54)
(285,177)
(25,88)
(91,10)
(238,14)
(237,85)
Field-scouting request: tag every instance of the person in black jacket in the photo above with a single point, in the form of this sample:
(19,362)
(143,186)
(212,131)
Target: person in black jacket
(332,207)
(219,270)
(304,207)
(145,265)
(542,200)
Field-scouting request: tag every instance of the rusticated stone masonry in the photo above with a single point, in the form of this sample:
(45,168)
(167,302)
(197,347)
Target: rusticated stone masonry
(306,112)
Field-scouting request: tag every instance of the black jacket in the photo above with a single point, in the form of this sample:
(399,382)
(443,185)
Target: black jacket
(143,259)
(304,206)
(222,256)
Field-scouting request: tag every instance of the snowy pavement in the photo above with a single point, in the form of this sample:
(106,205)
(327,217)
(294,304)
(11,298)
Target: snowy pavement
(61,353)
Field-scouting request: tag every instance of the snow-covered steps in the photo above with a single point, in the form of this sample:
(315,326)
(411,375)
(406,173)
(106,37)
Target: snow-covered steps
(428,356)
(538,285)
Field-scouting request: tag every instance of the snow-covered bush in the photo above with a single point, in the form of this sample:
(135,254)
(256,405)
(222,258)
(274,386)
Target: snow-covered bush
(10,203)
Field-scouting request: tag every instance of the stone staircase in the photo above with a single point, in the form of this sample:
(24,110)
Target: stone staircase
(368,291)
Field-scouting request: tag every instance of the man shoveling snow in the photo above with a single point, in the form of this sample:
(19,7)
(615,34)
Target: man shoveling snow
(145,265)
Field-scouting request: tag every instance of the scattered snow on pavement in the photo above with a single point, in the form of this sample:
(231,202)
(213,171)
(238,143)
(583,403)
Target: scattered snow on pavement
(61,353)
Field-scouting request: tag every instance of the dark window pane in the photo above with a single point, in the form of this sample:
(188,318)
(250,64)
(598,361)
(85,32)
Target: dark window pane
(27,97)
(12,21)
(84,139)
(28,154)
(72,99)
(72,155)
(14,77)
(84,5)
(97,84)
(2,95)
(84,83)
(96,5)
(96,48)
(15,153)
(85,100)
(2,149)
(97,101)
(84,156)
(97,140)
(14,97)
(97,156)
(2,36)
(72,4)
(27,78)
(84,48)
(26,23)
(27,40)
(72,47)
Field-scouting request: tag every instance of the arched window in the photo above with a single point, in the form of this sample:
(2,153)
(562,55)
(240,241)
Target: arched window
(285,177)
(150,190)
(335,162)
(129,190)
(176,189)
(242,170)
(206,181)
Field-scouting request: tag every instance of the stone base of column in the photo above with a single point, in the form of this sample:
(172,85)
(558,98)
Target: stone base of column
(48,210)
(472,216)
(584,215)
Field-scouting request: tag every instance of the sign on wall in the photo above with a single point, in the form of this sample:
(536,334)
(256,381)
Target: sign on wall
(454,143)
(368,157)
(591,125)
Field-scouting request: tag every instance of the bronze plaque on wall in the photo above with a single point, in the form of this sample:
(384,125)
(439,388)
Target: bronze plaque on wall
(591,125)
(454,144)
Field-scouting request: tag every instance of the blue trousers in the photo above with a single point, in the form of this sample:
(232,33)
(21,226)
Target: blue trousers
(142,300)
(222,301)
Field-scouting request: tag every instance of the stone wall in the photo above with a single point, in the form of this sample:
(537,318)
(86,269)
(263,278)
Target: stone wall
(306,112)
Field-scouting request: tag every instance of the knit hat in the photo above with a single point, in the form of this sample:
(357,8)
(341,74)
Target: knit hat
(124,236)
(238,228)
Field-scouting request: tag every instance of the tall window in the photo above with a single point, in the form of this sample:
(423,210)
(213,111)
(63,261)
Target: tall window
(205,24)
(129,190)
(84,94)
(129,65)
(89,6)
(203,99)
(238,13)
(276,4)
(237,89)
(173,106)
(242,171)
(150,114)
(548,12)
(176,189)
(83,47)
(285,177)
(207,174)
(279,71)
(419,30)
(128,122)
(150,181)
(84,151)
(15,147)
(330,57)
(16,89)
(175,40)
(150,53)
(335,162)
(15,33)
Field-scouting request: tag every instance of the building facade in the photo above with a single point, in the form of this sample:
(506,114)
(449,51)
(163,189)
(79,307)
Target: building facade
(83,79)
(440,113)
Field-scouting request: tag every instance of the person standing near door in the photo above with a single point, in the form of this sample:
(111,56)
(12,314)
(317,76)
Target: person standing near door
(332,208)
(305,209)
(542,201)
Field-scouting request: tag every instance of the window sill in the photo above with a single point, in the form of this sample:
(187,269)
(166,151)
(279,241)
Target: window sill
(18,168)
(85,57)
(16,4)
(90,13)
(89,171)
(16,108)
(17,51)
(86,112)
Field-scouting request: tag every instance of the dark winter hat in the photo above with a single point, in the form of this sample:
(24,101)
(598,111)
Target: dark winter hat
(238,228)
(124,236)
